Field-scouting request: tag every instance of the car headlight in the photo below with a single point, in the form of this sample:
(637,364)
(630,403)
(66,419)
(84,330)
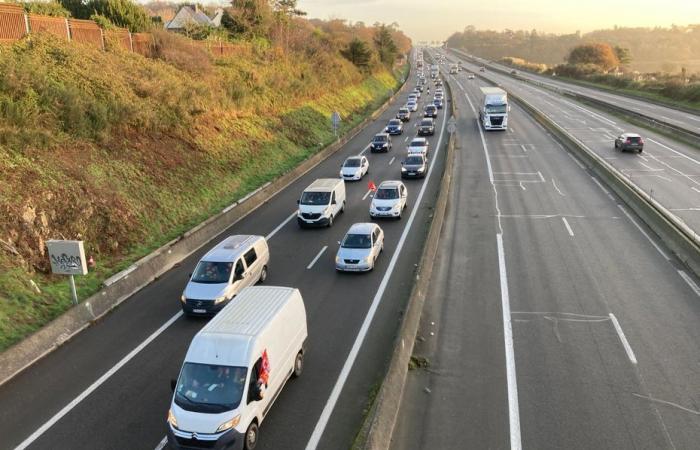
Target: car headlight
(337,259)
(403,169)
(422,169)
(396,206)
(183,299)
(366,260)
(229,424)
(171,418)
(220,299)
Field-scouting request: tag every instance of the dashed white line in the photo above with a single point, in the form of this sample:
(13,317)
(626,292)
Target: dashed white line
(279,227)
(541,177)
(674,151)
(568,227)
(162,443)
(623,339)
(313,261)
(392,159)
(523,147)
(695,189)
(369,191)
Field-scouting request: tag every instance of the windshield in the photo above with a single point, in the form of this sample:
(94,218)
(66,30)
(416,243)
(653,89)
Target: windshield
(496,109)
(387,194)
(210,388)
(380,139)
(426,123)
(414,161)
(357,241)
(212,272)
(355,162)
(394,122)
(315,198)
(418,143)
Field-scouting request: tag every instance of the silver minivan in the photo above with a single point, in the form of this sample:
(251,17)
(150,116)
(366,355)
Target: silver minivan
(237,262)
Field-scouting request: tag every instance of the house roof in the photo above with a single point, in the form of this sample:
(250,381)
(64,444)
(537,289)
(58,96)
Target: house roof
(189,14)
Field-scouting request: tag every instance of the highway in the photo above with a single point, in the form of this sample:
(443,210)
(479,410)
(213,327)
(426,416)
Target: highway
(684,119)
(556,319)
(109,388)
(668,170)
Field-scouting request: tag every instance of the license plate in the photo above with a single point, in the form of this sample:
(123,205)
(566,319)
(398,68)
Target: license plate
(199,311)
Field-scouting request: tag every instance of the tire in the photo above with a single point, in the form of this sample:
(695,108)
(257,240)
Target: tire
(342,208)
(298,365)
(640,150)
(251,437)
(330,221)
(263,275)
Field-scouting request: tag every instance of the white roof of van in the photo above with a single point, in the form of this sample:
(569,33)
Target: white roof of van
(324,184)
(492,91)
(230,248)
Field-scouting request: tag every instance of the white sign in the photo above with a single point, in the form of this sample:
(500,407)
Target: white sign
(451,125)
(67,257)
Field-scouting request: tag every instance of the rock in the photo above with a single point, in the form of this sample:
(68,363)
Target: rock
(28,215)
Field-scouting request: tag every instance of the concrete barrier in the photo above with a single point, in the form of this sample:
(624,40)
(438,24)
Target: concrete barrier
(126,283)
(382,418)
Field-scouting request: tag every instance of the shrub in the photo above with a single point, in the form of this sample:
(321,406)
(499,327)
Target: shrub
(180,52)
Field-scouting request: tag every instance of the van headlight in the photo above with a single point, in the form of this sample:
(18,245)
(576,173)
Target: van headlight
(229,424)
(221,299)
(171,419)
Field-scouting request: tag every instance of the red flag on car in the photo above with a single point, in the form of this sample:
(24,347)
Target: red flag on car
(265,368)
(371,186)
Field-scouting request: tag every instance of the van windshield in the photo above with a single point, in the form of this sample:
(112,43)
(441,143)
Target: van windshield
(210,388)
(212,272)
(315,198)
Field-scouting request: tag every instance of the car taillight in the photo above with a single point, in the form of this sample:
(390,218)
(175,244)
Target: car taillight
(628,141)
(641,141)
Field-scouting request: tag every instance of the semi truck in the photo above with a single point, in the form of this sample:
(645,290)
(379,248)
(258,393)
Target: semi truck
(493,108)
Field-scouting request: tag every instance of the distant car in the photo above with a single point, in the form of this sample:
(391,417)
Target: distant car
(394,127)
(426,127)
(470,76)
(414,166)
(418,145)
(482,69)
(404,115)
(438,103)
(430,111)
(354,168)
(360,248)
(438,82)
(389,200)
(629,141)
(381,142)
(416,92)
(439,95)
(412,106)
(419,87)
(513,72)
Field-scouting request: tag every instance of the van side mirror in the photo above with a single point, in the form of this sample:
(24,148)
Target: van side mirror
(189,275)
(173,384)
(298,201)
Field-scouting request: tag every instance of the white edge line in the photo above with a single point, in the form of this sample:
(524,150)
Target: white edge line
(689,281)
(568,227)
(279,227)
(629,216)
(311,264)
(350,361)
(623,339)
(66,409)
(162,443)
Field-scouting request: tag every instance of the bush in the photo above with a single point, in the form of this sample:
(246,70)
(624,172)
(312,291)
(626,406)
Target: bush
(180,52)
(50,8)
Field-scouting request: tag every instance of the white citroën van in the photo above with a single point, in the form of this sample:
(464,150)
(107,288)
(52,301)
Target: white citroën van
(236,367)
(236,262)
(321,202)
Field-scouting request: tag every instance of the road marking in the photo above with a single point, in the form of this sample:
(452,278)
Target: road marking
(600,185)
(512,381)
(647,166)
(369,191)
(664,402)
(693,118)
(311,264)
(568,227)
(689,281)
(406,140)
(350,361)
(541,177)
(279,227)
(629,216)
(107,375)
(554,183)
(674,151)
(695,189)
(523,147)
(364,150)
(392,159)
(578,163)
(522,186)
(623,339)
(162,443)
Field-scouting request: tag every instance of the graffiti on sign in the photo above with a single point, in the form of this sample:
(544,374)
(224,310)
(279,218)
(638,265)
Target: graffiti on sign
(67,257)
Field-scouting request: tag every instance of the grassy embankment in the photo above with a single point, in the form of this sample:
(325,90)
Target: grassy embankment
(126,152)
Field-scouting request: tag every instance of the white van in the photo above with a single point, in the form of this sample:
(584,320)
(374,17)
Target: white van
(235,263)
(321,202)
(236,367)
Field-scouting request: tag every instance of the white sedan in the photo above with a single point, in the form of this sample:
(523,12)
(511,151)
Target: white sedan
(418,145)
(354,168)
(360,248)
(389,200)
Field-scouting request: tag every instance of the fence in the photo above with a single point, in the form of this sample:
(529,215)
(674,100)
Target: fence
(15,24)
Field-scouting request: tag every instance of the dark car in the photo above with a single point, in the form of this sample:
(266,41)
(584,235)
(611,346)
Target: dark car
(404,115)
(419,87)
(430,111)
(426,127)
(438,103)
(414,166)
(395,126)
(629,141)
(381,142)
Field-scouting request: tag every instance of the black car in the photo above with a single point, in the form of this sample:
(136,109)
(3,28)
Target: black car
(629,141)
(438,103)
(414,166)
(430,111)
(394,127)
(381,142)
(426,127)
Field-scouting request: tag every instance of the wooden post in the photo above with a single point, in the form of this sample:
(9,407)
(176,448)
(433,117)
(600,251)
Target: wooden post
(26,23)
(67,30)
(131,42)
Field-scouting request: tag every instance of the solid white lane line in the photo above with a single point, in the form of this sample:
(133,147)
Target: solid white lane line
(629,216)
(689,281)
(311,264)
(511,379)
(369,191)
(647,166)
(695,189)
(106,376)
(392,159)
(674,151)
(603,188)
(279,227)
(350,361)
(578,163)
(554,183)
(568,227)
(623,339)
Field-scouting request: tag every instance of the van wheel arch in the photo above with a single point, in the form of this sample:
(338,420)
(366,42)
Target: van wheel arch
(298,364)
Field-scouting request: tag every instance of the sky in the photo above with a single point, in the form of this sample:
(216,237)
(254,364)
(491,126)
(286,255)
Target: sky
(438,19)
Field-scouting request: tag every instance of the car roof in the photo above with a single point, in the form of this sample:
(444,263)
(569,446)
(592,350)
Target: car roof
(631,135)
(381,134)
(419,139)
(362,228)
(230,248)
(389,184)
(353,157)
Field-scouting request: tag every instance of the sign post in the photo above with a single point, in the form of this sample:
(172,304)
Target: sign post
(68,258)
(335,122)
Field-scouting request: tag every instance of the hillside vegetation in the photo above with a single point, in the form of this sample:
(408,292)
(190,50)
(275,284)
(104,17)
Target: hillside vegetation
(126,152)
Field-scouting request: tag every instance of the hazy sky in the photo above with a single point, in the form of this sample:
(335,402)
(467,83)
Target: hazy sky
(437,19)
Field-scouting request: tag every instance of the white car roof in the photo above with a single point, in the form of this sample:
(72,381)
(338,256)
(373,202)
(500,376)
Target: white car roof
(389,184)
(419,142)
(362,228)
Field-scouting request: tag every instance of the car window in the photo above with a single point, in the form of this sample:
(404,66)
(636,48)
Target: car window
(253,380)
(250,257)
(240,270)
(386,194)
(315,198)
(333,197)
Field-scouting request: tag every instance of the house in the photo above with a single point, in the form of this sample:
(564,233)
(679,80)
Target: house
(188,15)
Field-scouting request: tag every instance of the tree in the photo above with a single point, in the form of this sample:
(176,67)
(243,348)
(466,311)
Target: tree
(122,13)
(358,53)
(50,8)
(601,55)
(386,47)
(250,18)
(623,55)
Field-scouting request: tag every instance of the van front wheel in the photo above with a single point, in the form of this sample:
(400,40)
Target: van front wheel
(298,365)
(251,436)
(263,275)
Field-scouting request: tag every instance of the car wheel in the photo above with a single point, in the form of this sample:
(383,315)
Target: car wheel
(298,365)
(330,221)
(263,275)
(640,150)
(251,436)
(342,208)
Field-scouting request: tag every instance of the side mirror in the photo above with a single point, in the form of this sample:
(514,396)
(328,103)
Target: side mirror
(173,384)
(189,275)
(338,242)
(298,201)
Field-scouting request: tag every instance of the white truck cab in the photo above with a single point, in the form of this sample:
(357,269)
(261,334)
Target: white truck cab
(321,202)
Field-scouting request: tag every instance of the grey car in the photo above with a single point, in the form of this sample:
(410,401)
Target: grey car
(629,141)
(414,166)
(360,248)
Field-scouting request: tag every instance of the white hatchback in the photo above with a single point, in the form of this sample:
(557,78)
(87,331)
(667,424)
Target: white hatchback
(418,145)
(354,168)
(389,200)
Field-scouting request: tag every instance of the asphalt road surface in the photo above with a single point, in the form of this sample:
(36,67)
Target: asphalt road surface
(109,388)
(556,320)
